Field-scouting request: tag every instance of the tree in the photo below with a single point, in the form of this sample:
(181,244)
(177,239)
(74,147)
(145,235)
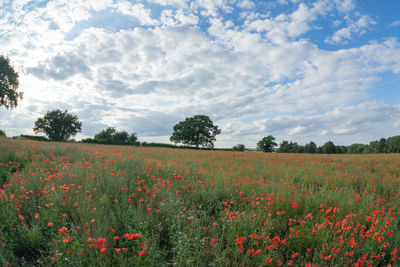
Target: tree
(393,144)
(2,134)
(358,149)
(195,131)
(329,148)
(377,146)
(310,148)
(342,149)
(266,144)
(239,147)
(8,84)
(289,147)
(58,125)
(110,135)
(106,135)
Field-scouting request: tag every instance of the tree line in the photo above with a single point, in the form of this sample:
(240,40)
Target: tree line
(389,145)
(197,131)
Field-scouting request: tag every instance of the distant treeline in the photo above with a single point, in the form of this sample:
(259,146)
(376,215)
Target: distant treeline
(390,145)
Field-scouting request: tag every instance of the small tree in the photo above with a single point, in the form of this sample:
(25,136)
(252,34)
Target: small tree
(8,84)
(195,131)
(267,144)
(110,135)
(58,125)
(239,147)
(2,134)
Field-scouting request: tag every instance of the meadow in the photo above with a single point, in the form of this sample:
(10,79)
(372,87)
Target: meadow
(96,205)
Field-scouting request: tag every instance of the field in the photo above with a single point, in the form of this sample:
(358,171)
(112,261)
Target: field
(91,205)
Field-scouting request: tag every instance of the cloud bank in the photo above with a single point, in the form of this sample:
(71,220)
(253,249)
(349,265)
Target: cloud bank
(255,68)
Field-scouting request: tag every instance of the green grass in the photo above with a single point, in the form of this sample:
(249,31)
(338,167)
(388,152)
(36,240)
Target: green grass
(78,204)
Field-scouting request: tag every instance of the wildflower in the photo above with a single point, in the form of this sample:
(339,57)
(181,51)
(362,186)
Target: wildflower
(294,255)
(294,205)
(212,242)
(239,240)
(142,252)
(100,243)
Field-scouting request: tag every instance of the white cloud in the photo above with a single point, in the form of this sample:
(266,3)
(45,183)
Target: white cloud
(354,27)
(246,4)
(395,23)
(175,3)
(247,77)
(354,124)
(345,6)
(177,18)
(139,11)
(65,14)
(211,8)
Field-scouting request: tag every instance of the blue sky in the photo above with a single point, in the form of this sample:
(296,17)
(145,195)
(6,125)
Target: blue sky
(299,70)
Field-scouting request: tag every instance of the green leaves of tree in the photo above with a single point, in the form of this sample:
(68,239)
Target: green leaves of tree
(58,125)
(195,131)
(8,84)
(267,144)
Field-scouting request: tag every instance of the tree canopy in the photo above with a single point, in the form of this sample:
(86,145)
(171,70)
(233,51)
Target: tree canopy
(267,144)
(195,131)
(329,148)
(239,147)
(110,135)
(58,125)
(8,84)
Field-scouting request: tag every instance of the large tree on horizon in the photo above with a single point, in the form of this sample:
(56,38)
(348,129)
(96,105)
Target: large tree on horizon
(267,144)
(58,125)
(198,130)
(9,83)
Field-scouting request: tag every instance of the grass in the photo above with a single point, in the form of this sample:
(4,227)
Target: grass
(95,205)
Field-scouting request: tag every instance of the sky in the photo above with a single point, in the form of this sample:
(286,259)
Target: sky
(296,69)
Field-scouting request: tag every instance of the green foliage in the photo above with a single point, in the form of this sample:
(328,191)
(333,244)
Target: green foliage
(239,147)
(2,134)
(358,149)
(266,144)
(289,147)
(8,84)
(195,131)
(110,135)
(329,148)
(32,137)
(341,149)
(378,146)
(393,144)
(58,125)
(310,148)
